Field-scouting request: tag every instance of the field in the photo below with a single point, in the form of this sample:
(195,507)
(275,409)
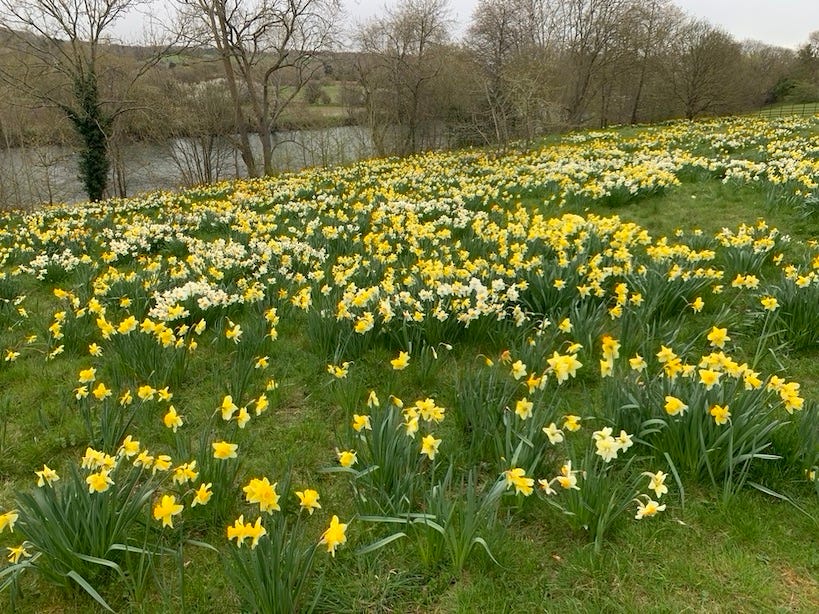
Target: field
(574,377)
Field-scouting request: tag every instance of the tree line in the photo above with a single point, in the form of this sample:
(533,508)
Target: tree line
(236,72)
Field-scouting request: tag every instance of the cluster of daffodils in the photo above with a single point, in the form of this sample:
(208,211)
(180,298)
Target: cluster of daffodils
(448,254)
(261,492)
(423,411)
(436,246)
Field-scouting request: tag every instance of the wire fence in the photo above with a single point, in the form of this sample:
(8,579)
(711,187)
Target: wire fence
(804,109)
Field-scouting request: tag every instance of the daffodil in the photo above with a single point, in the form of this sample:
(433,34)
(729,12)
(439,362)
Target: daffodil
(347,458)
(429,446)
(202,495)
(674,406)
(87,376)
(255,532)
(637,363)
(101,391)
(46,476)
(162,463)
(171,419)
(334,536)
(648,508)
(144,460)
(146,392)
(224,450)
(572,423)
(228,407)
(769,303)
(720,413)
(339,371)
(7,519)
(238,531)
(264,493)
(99,481)
(401,362)
(308,499)
(718,336)
(518,370)
(185,473)
(709,378)
(17,552)
(129,447)
(523,408)
(516,477)
(166,509)
(361,423)
(372,399)
(554,434)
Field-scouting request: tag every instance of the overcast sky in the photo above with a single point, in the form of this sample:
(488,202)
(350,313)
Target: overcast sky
(782,22)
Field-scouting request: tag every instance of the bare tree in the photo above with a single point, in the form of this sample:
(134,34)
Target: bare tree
(402,55)
(646,29)
(590,29)
(701,69)
(60,47)
(269,50)
(492,40)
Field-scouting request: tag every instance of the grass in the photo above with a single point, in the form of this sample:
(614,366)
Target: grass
(753,553)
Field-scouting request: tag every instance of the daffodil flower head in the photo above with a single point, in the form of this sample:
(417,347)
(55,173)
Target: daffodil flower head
(334,536)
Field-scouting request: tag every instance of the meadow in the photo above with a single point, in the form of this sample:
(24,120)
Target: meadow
(574,376)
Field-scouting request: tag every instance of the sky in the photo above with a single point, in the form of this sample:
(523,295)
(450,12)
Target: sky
(786,23)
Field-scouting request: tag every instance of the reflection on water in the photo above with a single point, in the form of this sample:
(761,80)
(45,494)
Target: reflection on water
(33,175)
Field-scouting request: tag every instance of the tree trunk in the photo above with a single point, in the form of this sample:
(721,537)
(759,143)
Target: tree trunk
(92,125)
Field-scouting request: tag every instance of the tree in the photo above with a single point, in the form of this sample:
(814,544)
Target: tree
(60,48)
(590,29)
(647,28)
(493,40)
(269,50)
(765,74)
(701,69)
(402,57)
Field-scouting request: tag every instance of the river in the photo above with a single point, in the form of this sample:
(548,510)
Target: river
(48,174)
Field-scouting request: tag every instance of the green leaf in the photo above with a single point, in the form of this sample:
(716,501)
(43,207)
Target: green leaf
(429,523)
(676,479)
(201,544)
(99,561)
(89,589)
(773,493)
(482,542)
(381,543)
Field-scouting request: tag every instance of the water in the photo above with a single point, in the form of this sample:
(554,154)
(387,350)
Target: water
(46,174)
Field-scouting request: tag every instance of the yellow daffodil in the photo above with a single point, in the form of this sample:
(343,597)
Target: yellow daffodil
(99,482)
(46,476)
(720,413)
(334,536)
(202,495)
(7,519)
(264,493)
(308,500)
(224,450)
(171,419)
(361,423)
(429,446)
(401,362)
(16,553)
(347,458)
(648,508)
(166,509)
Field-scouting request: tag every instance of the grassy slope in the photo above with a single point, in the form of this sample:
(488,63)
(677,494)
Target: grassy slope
(757,554)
